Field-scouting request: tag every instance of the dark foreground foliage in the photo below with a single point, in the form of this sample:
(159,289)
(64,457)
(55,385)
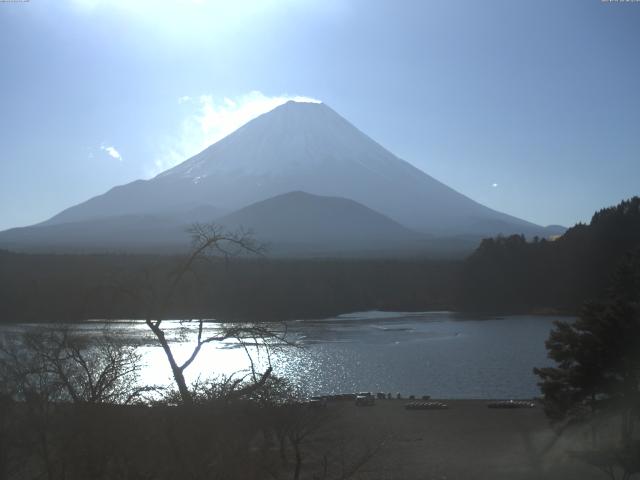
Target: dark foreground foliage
(216,440)
(73,407)
(596,380)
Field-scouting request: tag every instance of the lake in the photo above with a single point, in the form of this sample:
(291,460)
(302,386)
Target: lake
(442,354)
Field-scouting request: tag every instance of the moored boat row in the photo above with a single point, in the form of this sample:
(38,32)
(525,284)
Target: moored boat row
(426,406)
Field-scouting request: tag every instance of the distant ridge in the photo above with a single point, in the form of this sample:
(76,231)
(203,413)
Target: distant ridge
(301,222)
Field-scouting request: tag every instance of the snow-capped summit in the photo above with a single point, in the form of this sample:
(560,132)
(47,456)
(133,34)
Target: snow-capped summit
(294,138)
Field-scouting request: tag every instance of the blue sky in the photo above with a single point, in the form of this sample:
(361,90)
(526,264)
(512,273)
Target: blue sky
(529,107)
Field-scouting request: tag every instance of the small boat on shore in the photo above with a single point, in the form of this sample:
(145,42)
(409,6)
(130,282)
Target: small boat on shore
(512,404)
(426,406)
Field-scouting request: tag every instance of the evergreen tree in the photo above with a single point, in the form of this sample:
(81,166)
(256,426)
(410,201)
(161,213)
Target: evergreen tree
(598,357)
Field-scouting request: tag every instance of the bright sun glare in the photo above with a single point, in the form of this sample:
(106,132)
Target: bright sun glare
(185,18)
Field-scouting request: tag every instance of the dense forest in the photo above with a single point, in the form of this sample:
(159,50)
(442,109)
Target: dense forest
(504,275)
(511,274)
(76,287)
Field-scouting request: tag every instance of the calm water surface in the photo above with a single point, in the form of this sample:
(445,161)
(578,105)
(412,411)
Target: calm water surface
(443,354)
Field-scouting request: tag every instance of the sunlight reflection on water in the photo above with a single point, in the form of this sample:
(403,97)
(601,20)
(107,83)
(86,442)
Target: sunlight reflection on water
(442,354)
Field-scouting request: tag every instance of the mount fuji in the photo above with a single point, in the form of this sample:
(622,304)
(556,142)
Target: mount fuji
(297,147)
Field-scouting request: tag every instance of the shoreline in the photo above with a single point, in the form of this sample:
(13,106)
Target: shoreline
(344,316)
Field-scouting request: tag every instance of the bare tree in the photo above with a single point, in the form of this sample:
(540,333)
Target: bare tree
(51,383)
(60,366)
(208,241)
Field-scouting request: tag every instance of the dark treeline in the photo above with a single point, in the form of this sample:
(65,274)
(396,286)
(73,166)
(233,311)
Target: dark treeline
(504,275)
(76,287)
(510,274)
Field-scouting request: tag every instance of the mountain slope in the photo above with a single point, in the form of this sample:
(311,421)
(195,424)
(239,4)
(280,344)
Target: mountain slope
(304,147)
(123,233)
(119,233)
(298,222)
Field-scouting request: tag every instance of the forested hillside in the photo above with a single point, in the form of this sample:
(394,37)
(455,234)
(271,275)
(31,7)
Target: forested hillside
(511,274)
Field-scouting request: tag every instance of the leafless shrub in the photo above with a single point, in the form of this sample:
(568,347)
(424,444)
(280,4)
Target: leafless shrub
(60,366)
